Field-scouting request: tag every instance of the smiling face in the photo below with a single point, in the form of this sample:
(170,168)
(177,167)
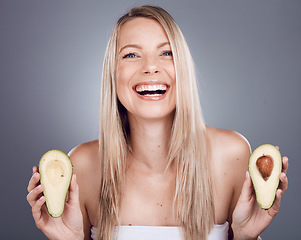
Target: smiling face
(145,69)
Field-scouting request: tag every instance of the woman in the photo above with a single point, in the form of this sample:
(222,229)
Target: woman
(156,163)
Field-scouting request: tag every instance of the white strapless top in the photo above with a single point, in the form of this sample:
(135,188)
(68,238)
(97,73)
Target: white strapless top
(218,232)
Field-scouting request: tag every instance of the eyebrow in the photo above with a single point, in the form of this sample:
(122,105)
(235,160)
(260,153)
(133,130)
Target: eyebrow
(163,44)
(130,46)
(139,47)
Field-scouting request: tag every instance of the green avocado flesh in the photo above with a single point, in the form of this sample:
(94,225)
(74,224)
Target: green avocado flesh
(56,171)
(265,166)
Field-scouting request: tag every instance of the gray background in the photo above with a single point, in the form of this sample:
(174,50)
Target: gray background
(248,58)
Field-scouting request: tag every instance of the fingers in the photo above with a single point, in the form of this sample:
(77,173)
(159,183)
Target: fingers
(283,178)
(247,189)
(284,164)
(35,169)
(275,208)
(73,191)
(36,210)
(34,179)
(34,194)
(35,197)
(34,189)
(283,185)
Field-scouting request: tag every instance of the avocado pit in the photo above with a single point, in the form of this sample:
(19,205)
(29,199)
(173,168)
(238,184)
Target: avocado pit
(265,166)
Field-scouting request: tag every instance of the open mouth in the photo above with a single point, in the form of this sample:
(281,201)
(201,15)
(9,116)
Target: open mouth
(151,90)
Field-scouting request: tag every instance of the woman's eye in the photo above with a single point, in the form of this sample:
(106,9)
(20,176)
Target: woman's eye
(168,53)
(129,55)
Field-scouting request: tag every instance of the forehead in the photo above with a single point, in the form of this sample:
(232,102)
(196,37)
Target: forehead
(140,28)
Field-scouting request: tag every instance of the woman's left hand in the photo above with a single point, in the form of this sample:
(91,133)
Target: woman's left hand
(249,220)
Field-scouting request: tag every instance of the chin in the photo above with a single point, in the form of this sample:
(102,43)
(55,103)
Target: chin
(153,113)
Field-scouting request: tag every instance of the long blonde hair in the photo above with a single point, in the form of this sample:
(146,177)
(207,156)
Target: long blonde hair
(188,148)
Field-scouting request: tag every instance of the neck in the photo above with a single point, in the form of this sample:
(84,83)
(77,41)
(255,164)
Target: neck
(150,142)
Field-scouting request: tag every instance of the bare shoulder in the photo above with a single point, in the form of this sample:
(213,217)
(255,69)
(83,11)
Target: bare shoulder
(228,143)
(230,152)
(84,153)
(85,161)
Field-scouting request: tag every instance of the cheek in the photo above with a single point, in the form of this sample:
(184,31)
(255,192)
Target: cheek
(124,73)
(170,70)
(120,79)
(123,76)
(121,91)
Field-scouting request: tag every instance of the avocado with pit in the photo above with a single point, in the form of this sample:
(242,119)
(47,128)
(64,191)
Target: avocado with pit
(265,166)
(55,170)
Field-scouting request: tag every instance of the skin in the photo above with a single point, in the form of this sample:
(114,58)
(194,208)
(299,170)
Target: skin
(148,195)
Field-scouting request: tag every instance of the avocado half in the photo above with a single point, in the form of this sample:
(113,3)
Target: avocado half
(265,166)
(56,171)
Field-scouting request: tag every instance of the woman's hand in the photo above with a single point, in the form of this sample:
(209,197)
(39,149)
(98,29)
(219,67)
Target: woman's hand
(249,220)
(69,225)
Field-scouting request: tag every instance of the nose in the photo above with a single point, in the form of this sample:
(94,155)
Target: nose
(150,65)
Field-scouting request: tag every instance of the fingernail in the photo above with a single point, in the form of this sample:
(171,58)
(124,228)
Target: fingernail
(41,198)
(284,175)
(38,187)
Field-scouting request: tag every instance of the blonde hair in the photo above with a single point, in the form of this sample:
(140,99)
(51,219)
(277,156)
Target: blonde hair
(189,147)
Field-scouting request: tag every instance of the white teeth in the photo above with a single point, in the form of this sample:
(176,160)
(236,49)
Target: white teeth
(142,88)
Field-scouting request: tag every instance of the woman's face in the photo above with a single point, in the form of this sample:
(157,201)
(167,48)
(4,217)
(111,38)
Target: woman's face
(145,70)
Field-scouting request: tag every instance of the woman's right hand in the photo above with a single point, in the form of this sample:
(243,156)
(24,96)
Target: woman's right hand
(69,225)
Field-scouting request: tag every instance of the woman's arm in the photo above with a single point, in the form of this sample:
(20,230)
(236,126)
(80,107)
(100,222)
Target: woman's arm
(79,157)
(74,222)
(248,219)
(69,225)
(85,160)
(236,153)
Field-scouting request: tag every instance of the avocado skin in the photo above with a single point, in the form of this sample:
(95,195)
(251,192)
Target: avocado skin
(265,190)
(51,192)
